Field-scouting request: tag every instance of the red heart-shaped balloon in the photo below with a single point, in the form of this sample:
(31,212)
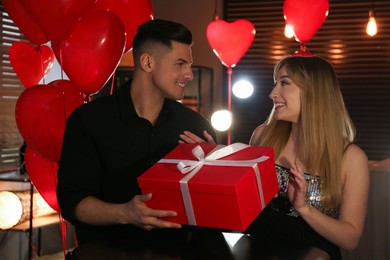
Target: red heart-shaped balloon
(305,16)
(41,112)
(24,21)
(93,51)
(73,98)
(30,62)
(43,174)
(132,13)
(57,19)
(230,41)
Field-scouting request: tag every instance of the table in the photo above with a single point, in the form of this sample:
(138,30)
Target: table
(203,246)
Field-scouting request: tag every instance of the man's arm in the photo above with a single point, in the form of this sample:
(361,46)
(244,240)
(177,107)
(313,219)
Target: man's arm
(97,212)
(79,185)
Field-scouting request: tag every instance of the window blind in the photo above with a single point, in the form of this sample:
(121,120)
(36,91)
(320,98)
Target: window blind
(10,89)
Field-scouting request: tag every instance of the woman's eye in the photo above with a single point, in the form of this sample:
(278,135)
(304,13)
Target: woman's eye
(284,83)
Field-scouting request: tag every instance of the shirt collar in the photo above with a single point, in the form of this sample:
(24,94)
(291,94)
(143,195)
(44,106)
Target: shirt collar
(127,108)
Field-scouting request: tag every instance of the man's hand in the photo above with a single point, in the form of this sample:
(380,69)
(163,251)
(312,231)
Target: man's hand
(190,138)
(147,218)
(93,211)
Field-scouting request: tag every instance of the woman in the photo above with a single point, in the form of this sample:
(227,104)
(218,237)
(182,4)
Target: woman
(323,177)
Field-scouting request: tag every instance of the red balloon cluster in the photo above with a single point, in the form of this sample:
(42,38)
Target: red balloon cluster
(132,12)
(88,38)
(41,112)
(98,32)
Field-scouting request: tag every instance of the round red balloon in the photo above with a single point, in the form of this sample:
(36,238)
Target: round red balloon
(24,21)
(132,13)
(93,51)
(41,112)
(305,16)
(43,174)
(57,19)
(30,63)
(230,41)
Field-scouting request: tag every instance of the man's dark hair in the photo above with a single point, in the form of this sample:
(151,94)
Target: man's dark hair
(161,31)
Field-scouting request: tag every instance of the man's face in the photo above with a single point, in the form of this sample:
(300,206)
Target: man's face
(172,70)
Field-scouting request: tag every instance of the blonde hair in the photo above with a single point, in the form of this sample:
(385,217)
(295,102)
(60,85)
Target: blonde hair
(325,129)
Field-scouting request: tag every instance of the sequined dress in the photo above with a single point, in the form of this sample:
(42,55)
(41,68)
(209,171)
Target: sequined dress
(279,224)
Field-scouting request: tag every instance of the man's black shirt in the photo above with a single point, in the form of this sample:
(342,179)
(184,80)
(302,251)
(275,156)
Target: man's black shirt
(107,146)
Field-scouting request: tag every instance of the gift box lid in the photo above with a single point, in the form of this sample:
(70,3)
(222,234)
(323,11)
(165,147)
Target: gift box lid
(210,178)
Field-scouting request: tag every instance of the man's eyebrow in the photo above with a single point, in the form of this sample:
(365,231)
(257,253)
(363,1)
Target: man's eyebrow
(183,60)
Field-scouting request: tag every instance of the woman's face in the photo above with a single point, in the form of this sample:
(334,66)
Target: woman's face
(286,97)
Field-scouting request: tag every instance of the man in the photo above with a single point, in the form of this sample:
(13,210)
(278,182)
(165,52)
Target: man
(110,141)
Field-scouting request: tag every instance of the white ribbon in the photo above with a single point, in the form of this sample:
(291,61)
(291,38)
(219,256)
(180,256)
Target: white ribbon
(191,167)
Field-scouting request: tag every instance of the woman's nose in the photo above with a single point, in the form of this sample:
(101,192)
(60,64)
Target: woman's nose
(273,95)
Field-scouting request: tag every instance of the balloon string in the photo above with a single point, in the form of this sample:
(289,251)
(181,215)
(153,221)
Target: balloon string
(63,230)
(60,61)
(112,83)
(215,11)
(229,73)
(303,47)
(63,224)
(30,240)
(64,100)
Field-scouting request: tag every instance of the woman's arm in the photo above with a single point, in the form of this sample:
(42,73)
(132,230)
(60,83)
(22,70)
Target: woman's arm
(347,230)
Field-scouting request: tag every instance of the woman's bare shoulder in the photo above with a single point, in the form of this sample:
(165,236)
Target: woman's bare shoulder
(355,160)
(255,138)
(354,152)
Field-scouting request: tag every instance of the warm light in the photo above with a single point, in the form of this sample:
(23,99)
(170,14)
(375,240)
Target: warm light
(10,209)
(15,207)
(336,49)
(221,120)
(371,25)
(243,89)
(289,31)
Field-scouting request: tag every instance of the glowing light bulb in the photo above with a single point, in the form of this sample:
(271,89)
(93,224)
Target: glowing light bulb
(10,209)
(243,89)
(371,25)
(221,120)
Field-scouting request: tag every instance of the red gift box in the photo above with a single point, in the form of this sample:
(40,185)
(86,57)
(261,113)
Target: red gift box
(225,189)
